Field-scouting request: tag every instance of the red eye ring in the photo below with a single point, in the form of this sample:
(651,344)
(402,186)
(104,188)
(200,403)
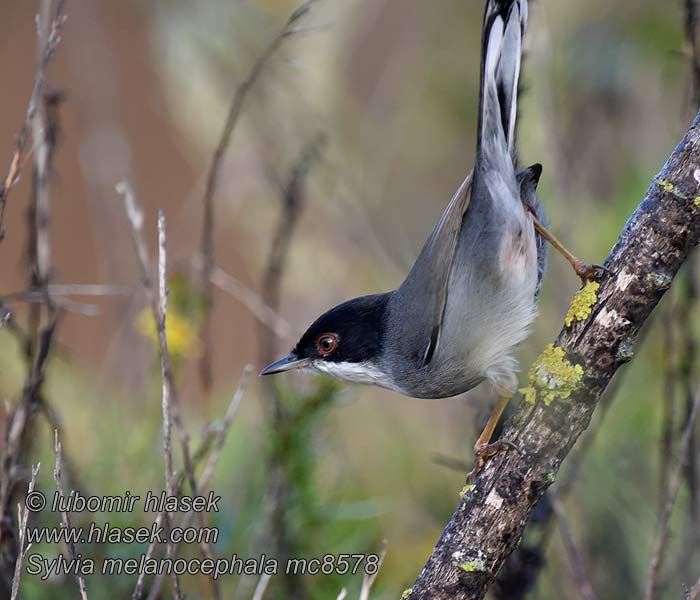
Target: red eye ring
(326,343)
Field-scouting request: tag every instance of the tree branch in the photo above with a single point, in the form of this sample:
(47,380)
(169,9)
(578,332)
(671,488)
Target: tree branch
(567,382)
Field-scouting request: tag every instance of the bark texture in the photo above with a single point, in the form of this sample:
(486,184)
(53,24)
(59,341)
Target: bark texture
(491,516)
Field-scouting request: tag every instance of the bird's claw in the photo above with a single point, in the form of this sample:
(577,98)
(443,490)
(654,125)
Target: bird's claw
(587,271)
(483,452)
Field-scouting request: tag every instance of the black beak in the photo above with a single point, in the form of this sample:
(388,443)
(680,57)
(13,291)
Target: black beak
(287,363)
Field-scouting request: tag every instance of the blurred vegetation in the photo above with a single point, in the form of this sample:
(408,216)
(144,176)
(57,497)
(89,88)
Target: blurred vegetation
(393,83)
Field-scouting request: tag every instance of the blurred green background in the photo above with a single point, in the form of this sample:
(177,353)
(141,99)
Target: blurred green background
(393,84)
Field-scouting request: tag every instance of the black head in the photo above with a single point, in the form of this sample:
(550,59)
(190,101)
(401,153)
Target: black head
(349,334)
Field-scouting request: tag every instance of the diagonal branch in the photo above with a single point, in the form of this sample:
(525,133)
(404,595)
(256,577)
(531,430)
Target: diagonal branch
(567,382)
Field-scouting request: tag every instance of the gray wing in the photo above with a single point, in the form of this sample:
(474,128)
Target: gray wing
(427,281)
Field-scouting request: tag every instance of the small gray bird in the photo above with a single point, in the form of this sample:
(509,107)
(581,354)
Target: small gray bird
(472,294)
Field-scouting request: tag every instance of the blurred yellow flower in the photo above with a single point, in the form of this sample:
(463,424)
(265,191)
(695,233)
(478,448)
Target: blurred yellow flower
(181,333)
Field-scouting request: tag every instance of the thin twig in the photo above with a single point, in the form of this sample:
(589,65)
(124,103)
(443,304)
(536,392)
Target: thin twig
(343,594)
(583,582)
(292,205)
(44,125)
(214,436)
(40,298)
(89,289)
(252,301)
(65,521)
(220,438)
(165,356)
(42,122)
(688,305)
(48,38)
(668,427)
(22,517)
(691,34)
(674,487)
(207,236)
(21,336)
(17,427)
(135,216)
(368,580)
(224,428)
(167,390)
(261,587)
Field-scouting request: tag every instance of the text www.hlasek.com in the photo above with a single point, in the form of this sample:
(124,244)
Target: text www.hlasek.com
(147,564)
(108,534)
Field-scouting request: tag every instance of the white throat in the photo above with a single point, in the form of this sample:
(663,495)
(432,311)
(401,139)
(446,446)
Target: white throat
(354,372)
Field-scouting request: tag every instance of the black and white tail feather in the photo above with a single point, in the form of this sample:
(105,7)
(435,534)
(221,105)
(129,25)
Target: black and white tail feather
(504,28)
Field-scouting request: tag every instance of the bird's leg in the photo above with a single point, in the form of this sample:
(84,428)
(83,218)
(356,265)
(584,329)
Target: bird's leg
(483,448)
(584,270)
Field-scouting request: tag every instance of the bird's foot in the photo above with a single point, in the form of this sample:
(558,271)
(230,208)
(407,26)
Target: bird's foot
(586,271)
(482,452)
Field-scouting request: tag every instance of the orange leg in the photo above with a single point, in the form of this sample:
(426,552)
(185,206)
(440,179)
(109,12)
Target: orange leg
(483,448)
(584,270)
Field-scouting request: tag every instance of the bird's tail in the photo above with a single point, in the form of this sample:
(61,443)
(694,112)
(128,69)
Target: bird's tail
(505,22)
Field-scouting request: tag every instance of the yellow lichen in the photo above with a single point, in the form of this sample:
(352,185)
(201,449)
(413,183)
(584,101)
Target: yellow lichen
(406,593)
(465,490)
(582,303)
(550,478)
(661,281)
(473,566)
(552,376)
(697,201)
(665,185)
(529,393)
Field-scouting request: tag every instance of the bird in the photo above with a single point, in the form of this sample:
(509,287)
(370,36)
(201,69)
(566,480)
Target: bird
(471,296)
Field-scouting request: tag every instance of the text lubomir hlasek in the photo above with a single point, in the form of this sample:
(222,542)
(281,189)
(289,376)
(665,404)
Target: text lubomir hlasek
(76,502)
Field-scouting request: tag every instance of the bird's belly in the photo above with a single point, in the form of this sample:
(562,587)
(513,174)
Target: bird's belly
(490,309)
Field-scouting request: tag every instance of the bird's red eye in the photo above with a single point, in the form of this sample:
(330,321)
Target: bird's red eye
(326,343)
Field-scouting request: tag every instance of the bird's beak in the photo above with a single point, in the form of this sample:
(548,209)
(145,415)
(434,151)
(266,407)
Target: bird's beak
(287,363)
